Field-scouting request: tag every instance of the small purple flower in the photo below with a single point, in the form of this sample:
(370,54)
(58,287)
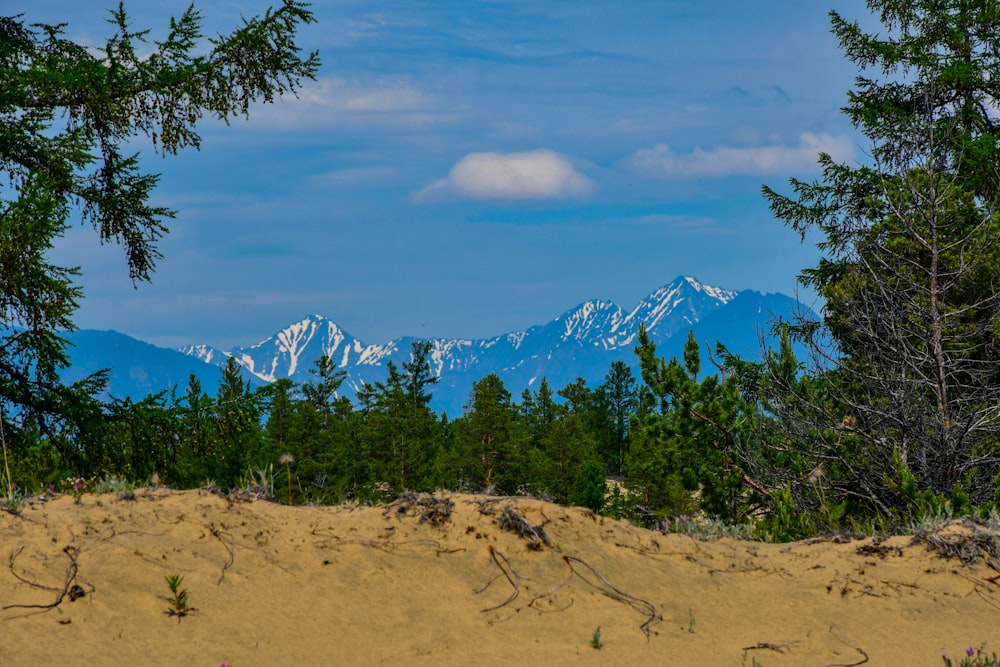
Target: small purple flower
(970,651)
(77,486)
(13,485)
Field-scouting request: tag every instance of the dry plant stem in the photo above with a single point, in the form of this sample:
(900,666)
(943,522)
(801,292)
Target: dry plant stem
(230,547)
(553,590)
(69,588)
(517,589)
(984,592)
(616,593)
(838,633)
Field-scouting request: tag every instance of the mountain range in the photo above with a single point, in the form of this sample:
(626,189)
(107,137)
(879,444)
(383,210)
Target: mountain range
(580,343)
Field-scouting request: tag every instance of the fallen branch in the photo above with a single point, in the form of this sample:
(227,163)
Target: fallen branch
(553,590)
(616,593)
(231,548)
(70,588)
(517,589)
(836,632)
(433,510)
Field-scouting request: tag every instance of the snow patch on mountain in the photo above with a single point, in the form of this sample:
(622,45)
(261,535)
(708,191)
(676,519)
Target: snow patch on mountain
(206,353)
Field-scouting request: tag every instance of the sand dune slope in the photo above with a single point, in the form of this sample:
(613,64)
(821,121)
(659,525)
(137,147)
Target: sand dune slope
(460,580)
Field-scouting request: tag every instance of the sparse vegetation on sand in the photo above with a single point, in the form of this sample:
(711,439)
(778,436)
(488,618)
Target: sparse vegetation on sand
(479,582)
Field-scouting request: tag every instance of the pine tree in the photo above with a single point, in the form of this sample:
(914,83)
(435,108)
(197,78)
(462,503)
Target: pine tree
(692,435)
(238,432)
(69,116)
(401,429)
(617,398)
(909,349)
(488,452)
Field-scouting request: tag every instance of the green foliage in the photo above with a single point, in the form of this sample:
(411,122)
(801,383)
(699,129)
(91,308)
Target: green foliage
(178,597)
(595,639)
(238,436)
(487,452)
(401,436)
(261,479)
(920,503)
(591,487)
(69,115)
(141,437)
(692,434)
(784,522)
(559,455)
(617,399)
(14,499)
(910,324)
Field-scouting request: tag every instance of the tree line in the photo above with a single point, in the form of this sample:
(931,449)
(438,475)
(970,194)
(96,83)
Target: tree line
(560,445)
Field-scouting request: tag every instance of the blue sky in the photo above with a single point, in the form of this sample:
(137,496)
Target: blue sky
(465,168)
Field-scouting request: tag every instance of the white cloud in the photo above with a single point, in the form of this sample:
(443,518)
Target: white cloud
(661,162)
(398,98)
(538,174)
(356,175)
(384,94)
(336,102)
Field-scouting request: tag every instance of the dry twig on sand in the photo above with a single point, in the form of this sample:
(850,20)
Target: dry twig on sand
(70,588)
(839,634)
(616,593)
(230,547)
(507,572)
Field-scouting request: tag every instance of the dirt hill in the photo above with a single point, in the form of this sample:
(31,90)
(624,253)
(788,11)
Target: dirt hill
(464,580)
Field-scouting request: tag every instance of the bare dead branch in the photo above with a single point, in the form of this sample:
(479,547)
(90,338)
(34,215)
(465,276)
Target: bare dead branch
(496,556)
(616,593)
(70,588)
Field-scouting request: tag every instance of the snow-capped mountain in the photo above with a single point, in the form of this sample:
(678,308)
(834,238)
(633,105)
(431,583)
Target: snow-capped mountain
(294,349)
(582,342)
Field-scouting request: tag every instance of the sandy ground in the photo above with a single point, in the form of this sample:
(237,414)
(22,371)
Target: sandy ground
(440,581)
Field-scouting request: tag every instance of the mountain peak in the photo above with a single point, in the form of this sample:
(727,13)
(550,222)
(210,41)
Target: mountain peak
(675,306)
(725,296)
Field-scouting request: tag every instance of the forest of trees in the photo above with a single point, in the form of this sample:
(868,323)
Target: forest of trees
(560,446)
(893,414)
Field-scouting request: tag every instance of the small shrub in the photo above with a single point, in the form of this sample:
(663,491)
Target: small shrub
(595,639)
(179,597)
(703,528)
(14,502)
(113,484)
